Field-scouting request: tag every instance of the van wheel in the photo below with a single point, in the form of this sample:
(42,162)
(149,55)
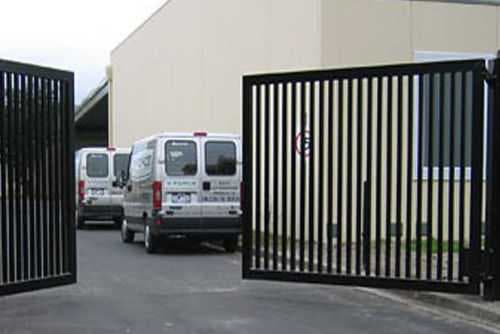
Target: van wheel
(231,244)
(127,235)
(150,242)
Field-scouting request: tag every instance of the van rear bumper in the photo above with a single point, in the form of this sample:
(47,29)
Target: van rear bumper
(197,227)
(100,211)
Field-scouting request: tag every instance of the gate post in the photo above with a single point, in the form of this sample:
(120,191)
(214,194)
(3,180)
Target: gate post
(492,274)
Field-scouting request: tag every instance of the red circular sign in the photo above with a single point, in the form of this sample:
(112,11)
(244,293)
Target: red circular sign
(303,143)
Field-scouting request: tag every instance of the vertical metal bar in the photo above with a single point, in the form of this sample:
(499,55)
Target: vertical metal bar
(275,162)
(378,196)
(57,176)
(430,177)
(3,176)
(359,173)
(267,166)
(451,187)
(409,178)
(399,175)
(248,201)
(44,167)
(492,287)
(258,172)
(18,177)
(293,181)
(302,175)
(440,203)
(463,161)
(24,172)
(10,171)
(368,188)
(340,175)
(32,176)
(38,174)
(329,183)
(312,185)
(70,184)
(50,165)
(388,234)
(321,163)
(65,174)
(477,174)
(349,211)
(284,178)
(420,159)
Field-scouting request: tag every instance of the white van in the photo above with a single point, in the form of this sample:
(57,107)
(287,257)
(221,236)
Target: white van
(98,194)
(184,185)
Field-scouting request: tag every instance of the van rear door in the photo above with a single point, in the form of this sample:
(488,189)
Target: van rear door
(97,178)
(119,161)
(221,177)
(182,177)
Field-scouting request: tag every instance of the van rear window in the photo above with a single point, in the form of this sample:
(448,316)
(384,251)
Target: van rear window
(180,158)
(220,158)
(120,163)
(97,165)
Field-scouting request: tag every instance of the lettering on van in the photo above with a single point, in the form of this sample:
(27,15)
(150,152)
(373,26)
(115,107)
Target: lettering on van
(182,184)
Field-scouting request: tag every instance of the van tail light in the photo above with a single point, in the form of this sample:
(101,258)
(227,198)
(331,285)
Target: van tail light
(81,191)
(157,198)
(242,195)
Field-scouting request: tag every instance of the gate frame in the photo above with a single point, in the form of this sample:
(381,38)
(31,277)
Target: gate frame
(491,279)
(67,213)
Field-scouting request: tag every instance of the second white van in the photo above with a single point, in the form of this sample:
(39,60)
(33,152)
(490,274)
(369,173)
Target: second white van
(98,194)
(184,185)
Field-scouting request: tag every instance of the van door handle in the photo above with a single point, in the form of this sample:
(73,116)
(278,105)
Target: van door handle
(206,186)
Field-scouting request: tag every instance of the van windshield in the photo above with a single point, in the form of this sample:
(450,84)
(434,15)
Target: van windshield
(221,158)
(97,165)
(120,163)
(180,157)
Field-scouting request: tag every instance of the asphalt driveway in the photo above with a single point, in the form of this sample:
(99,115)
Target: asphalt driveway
(197,289)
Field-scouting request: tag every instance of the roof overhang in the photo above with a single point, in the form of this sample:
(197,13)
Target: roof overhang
(93,111)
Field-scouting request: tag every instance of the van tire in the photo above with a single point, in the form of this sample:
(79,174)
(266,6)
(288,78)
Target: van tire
(127,235)
(150,242)
(231,244)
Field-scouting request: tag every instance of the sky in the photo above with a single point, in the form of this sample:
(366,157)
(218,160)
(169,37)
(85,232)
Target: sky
(72,35)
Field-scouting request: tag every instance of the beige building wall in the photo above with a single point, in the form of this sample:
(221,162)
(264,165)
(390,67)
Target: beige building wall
(181,70)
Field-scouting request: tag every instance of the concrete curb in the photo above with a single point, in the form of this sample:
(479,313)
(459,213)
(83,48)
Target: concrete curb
(478,310)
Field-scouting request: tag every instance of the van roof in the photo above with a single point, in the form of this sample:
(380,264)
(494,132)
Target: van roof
(103,149)
(190,135)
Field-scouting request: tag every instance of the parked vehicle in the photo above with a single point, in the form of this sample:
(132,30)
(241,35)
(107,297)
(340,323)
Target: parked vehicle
(98,194)
(184,185)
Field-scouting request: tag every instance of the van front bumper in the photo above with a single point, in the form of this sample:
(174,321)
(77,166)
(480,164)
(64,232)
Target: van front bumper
(196,227)
(100,211)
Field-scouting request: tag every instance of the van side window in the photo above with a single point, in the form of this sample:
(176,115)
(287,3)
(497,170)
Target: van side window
(180,157)
(220,158)
(141,163)
(97,165)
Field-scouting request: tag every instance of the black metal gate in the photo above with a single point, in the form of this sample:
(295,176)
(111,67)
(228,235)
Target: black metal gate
(369,176)
(37,236)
